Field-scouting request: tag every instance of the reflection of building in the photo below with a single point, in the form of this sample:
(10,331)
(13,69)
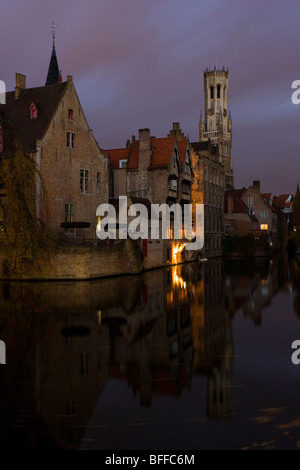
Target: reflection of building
(253,288)
(213,340)
(153,350)
(59,358)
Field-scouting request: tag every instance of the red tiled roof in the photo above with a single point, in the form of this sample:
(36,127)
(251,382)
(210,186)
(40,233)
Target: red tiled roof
(115,155)
(281,201)
(161,153)
(182,147)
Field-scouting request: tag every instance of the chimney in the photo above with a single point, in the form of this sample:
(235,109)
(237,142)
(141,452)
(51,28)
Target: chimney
(256,184)
(176,125)
(144,149)
(20,84)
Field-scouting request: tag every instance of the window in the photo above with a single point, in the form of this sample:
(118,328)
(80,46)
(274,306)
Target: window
(264,214)
(211,92)
(69,214)
(218,92)
(187,167)
(70,114)
(205,174)
(122,163)
(33,111)
(263,226)
(70,140)
(98,182)
(84,181)
(185,188)
(173,185)
(218,106)
(250,200)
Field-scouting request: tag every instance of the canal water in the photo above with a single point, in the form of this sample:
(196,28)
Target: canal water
(196,356)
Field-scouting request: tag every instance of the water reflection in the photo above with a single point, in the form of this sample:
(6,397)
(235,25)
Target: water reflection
(157,333)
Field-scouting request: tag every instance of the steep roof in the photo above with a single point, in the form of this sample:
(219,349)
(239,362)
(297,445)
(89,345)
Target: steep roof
(282,201)
(182,148)
(53,71)
(162,149)
(239,206)
(115,155)
(17,111)
(161,152)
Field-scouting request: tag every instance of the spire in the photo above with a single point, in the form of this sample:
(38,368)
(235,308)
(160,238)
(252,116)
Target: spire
(53,75)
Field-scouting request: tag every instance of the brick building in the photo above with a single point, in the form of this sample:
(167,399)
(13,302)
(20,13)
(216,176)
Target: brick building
(238,219)
(208,189)
(250,211)
(157,170)
(50,126)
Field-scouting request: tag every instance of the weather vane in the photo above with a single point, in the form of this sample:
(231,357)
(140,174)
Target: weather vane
(53,32)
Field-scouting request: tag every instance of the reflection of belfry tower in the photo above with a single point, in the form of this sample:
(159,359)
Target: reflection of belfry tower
(217,125)
(218,390)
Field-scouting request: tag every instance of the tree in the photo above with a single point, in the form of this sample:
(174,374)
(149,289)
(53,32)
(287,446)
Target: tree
(25,236)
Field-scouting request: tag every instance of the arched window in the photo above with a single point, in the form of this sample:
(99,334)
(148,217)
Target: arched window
(211,92)
(218,92)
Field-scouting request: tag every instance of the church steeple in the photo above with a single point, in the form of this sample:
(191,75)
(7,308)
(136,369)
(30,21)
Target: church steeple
(53,75)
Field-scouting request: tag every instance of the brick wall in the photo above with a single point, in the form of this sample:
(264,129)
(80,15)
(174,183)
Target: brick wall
(60,167)
(79,262)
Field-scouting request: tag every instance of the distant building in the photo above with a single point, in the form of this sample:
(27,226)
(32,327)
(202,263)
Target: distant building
(216,124)
(248,211)
(284,203)
(238,218)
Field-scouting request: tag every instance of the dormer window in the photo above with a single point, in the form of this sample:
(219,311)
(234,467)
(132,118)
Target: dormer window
(70,114)
(33,111)
(122,163)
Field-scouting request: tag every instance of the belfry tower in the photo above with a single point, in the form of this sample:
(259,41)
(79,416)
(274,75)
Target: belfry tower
(216,125)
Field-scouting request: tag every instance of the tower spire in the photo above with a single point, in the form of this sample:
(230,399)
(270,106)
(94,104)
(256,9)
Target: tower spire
(53,33)
(53,75)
